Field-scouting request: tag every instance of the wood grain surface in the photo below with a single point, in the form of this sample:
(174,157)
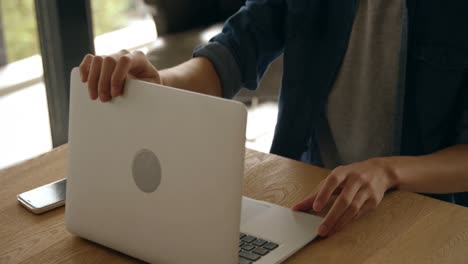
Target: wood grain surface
(406,228)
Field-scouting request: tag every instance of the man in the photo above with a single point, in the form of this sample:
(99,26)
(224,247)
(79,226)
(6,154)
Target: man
(376,89)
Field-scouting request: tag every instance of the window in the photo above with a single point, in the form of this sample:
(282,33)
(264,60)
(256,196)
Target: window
(25,129)
(121,24)
(19,29)
(24,118)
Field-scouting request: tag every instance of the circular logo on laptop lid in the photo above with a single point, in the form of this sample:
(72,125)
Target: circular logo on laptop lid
(146,170)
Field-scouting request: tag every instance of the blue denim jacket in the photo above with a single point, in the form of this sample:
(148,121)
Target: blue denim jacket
(313,36)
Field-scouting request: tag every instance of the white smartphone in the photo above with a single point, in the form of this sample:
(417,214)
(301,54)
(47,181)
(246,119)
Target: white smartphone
(44,198)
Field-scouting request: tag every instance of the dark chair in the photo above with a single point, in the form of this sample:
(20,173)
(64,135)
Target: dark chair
(174,16)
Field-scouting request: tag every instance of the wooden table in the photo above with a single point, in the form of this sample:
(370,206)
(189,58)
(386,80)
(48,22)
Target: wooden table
(406,228)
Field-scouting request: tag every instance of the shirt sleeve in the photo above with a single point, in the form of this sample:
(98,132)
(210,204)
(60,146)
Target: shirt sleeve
(225,65)
(462,137)
(251,39)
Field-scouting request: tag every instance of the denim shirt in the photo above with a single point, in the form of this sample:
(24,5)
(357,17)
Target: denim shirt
(313,37)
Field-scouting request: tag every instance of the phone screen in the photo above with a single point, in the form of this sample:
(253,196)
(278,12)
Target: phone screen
(45,195)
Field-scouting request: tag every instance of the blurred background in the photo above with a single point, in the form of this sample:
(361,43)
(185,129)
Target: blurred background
(41,40)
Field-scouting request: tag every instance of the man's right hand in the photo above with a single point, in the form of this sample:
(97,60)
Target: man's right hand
(106,75)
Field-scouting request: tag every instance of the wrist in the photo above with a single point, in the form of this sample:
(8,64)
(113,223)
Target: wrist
(172,78)
(164,78)
(390,166)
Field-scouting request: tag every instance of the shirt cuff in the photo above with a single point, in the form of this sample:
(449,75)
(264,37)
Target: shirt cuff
(225,65)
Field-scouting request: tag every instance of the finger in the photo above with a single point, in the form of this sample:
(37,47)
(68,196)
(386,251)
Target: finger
(123,52)
(338,190)
(107,69)
(143,68)
(366,207)
(332,182)
(139,62)
(351,212)
(119,75)
(85,66)
(93,78)
(306,204)
(343,202)
(311,199)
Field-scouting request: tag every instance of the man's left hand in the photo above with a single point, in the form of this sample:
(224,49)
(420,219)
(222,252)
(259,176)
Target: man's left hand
(360,187)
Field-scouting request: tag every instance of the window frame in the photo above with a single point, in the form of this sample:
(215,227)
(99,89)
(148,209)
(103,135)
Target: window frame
(65,36)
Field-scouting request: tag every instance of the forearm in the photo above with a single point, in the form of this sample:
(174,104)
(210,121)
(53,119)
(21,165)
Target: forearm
(445,171)
(196,75)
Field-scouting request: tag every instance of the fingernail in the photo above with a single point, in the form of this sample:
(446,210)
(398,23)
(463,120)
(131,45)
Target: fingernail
(104,97)
(322,230)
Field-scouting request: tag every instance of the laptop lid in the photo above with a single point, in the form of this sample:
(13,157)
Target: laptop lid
(156,173)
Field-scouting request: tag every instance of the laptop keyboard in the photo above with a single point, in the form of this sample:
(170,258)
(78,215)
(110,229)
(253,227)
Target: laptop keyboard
(251,248)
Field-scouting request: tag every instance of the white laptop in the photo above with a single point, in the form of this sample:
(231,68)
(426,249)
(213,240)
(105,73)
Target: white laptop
(157,174)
